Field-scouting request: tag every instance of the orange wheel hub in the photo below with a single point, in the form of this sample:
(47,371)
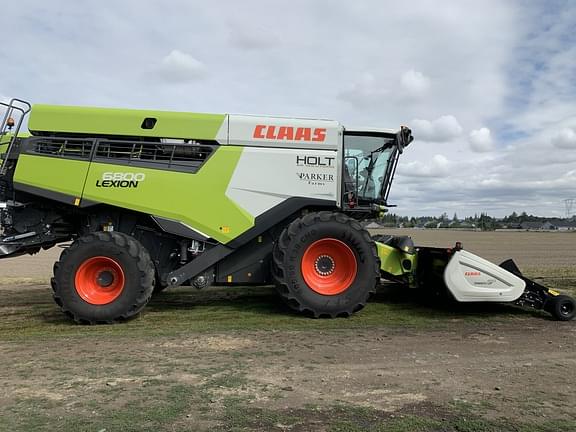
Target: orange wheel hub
(99,280)
(329,266)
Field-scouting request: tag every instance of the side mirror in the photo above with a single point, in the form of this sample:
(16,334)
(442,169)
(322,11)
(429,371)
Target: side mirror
(404,138)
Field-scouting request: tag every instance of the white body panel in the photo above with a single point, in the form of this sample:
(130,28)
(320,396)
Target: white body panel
(265,177)
(473,279)
(372,130)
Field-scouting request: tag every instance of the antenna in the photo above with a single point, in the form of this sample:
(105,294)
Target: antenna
(570,204)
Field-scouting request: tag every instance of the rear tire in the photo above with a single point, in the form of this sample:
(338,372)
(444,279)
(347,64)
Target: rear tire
(561,307)
(104,277)
(325,265)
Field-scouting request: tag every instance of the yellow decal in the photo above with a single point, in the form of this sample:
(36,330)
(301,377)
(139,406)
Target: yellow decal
(77,202)
(553,292)
(225,229)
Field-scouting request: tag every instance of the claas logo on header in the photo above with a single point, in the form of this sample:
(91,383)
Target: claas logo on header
(289,133)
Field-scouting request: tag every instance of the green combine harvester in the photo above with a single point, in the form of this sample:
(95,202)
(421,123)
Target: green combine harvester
(154,199)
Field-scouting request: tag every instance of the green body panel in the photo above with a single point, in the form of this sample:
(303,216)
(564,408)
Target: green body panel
(125,122)
(5,140)
(391,260)
(198,200)
(53,174)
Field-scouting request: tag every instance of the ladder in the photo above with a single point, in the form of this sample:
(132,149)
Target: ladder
(10,126)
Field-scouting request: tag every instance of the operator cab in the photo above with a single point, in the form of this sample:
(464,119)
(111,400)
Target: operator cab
(370,159)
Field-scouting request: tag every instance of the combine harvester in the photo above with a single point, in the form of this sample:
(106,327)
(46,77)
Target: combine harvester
(154,199)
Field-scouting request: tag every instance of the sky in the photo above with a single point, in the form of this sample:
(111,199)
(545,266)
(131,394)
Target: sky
(488,87)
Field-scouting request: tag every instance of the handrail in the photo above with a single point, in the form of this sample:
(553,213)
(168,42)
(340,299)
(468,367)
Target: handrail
(24,108)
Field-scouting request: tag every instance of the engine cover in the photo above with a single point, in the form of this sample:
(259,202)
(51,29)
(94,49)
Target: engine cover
(473,279)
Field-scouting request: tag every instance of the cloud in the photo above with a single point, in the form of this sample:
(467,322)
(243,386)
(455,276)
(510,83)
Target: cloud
(4,99)
(253,37)
(481,140)
(364,92)
(565,139)
(179,67)
(414,82)
(438,166)
(442,129)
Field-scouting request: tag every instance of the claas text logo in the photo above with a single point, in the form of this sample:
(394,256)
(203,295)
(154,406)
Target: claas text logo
(289,133)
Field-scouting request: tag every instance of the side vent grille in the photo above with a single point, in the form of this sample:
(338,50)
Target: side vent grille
(154,154)
(67,148)
(176,156)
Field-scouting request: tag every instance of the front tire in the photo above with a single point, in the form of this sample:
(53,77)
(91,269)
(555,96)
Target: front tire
(561,307)
(325,265)
(104,277)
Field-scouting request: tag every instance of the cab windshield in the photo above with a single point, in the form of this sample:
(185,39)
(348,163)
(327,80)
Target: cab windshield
(366,161)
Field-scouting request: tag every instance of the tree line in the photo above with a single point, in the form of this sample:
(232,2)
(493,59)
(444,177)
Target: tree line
(481,221)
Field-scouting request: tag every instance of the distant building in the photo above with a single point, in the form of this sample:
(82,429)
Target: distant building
(549,225)
(531,226)
(566,226)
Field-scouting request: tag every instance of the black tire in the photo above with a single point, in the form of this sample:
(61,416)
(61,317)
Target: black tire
(159,286)
(561,307)
(131,279)
(290,264)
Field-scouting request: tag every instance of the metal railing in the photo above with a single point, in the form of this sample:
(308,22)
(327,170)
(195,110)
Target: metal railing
(12,126)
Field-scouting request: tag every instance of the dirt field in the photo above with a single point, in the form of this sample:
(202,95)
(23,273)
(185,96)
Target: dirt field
(529,249)
(236,359)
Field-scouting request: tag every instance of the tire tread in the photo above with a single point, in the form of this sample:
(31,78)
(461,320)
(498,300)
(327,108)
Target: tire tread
(134,249)
(279,268)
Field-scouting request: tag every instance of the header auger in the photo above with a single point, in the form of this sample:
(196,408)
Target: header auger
(155,199)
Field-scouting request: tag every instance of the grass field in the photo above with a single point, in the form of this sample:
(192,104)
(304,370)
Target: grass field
(237,359)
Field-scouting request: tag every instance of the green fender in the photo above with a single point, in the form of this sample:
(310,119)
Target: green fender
(395,262)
